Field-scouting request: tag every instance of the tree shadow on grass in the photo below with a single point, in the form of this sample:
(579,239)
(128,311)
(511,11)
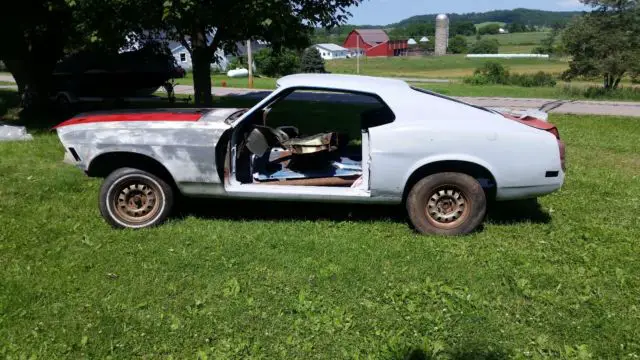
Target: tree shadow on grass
(462,353)
(231,209)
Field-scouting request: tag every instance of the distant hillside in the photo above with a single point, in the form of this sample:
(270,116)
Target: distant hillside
(524,16)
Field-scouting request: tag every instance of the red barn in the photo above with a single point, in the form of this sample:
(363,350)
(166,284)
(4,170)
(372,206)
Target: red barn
(375,42)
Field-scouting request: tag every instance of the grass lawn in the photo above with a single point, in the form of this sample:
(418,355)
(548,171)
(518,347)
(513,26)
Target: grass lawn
(448,67)
(4,83)
(217,80)
(266,280)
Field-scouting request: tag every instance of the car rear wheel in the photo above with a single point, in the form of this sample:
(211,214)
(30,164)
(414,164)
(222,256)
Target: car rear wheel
(132,198)
(447,204)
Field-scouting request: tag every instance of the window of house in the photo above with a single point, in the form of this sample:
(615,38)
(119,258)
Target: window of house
(183,57)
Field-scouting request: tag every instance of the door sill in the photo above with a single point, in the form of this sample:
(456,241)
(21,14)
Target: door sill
(284,192)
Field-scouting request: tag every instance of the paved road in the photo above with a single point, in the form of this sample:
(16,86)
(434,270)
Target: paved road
(553,106)
(580,107)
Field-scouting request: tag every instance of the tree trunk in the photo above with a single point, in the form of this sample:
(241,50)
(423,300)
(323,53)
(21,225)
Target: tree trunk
(616,83)
(201,59)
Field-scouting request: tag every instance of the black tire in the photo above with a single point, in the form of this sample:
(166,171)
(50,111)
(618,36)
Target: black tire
(448,204)
(135,199)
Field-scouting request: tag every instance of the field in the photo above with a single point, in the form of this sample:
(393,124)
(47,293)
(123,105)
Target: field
(448,67)
(217,80)
(525,38)
(251,280)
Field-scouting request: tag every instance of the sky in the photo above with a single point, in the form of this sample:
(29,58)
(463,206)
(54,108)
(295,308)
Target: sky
(383,12)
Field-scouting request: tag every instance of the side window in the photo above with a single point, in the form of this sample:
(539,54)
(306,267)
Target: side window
(318,111)
(183,57)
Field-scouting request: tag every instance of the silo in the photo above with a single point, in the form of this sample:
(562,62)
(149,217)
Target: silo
(442,34)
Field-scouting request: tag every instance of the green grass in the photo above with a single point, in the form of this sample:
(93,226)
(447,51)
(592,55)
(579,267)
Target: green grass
(562,91)
(448,67)
(266,280)
(525,38)
(478,26)
(217,80)
(4,83)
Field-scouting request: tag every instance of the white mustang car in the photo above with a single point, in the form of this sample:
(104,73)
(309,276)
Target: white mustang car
(319,137)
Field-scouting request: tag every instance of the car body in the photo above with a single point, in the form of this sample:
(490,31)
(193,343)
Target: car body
(410,135)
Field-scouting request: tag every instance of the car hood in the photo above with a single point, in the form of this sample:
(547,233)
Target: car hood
(209,115)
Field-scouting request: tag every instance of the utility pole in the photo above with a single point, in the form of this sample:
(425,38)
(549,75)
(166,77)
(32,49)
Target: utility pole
(250,63)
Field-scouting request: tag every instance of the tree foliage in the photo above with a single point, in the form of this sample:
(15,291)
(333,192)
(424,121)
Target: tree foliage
(464,28)
(539,18)
(207,25)
(605,43)
(458,45)
(485,46)
(312,61)
(274,63)
(489,29)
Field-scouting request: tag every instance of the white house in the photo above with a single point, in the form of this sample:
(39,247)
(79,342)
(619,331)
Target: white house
(503,31)
(412,42)
(332,51)
(424,39)
(183,57)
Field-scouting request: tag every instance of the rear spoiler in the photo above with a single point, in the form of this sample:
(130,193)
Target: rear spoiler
(525,113)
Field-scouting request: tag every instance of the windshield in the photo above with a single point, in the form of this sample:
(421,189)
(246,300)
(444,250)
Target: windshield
(451,99)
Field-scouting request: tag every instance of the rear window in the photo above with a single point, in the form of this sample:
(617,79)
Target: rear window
(450,99)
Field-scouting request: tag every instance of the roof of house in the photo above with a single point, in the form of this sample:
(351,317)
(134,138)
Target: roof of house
(373,36)
(332,47)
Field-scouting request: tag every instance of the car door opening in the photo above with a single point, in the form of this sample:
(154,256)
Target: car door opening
(308,138)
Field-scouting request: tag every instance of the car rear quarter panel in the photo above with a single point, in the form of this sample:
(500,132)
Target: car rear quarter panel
(429,130)
(187,150)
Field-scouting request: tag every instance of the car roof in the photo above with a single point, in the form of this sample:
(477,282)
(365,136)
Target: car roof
(357,83)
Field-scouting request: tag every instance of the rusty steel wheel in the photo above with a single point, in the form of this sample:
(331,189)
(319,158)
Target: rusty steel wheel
(132,198)
(136,201)
(446,204)
(447,207)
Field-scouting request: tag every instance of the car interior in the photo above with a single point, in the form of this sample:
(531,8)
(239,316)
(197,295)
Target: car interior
(308,139)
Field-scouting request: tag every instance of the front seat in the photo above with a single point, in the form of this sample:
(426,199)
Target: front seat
(263,138)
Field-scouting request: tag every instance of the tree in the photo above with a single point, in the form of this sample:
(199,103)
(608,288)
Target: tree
(464,28)
(516,28)
(312,61)
(277,63)
(605,42)
(489,29)
(458,45)
(485,46)
(36,34)
(204,26)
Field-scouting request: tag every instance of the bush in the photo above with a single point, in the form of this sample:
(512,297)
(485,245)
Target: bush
(495,73)
(312,61)
(458,45)
(273,64)
(490,29)
(485,46)
(599,92)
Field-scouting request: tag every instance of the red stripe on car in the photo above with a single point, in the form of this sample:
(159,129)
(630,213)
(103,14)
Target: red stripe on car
(159,116)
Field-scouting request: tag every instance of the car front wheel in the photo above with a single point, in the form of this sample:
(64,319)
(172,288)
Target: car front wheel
(447,204)
(132,198)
